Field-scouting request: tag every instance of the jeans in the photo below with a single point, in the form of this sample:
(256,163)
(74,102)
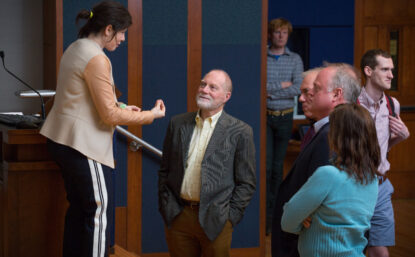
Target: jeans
(279,130)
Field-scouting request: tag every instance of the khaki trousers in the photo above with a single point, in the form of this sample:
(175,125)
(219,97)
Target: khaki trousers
(186,238)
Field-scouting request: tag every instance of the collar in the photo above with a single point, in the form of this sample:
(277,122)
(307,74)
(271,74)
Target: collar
(365,99)
(319,124)
(212,119)
(286,52)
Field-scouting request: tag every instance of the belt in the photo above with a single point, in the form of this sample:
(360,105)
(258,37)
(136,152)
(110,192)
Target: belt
(382,179)
(280,113)
(191,204)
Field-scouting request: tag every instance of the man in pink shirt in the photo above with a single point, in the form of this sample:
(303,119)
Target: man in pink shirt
(377,67)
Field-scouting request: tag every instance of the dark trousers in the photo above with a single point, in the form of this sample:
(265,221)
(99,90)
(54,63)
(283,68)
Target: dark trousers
(279,130)
(88,187)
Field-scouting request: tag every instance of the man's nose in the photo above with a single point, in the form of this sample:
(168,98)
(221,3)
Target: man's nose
(390,74)
(204,89)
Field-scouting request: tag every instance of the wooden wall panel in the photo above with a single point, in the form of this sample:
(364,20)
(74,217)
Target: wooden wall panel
(134,177)
(263,137)
(399,155)
(371,37)
(384,9)
(383,37)
(52,41)
(121,227)
(194,51)
(408,64)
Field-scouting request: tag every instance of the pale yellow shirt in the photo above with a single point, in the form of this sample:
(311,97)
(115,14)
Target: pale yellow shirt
(200,138)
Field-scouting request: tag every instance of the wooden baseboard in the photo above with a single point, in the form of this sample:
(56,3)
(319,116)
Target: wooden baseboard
(121,252)
(236,252)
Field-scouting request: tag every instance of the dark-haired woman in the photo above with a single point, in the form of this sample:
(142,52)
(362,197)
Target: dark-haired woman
(332,211)
(81,123)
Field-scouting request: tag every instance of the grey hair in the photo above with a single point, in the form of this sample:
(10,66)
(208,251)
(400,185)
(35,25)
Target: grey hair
(307,72)
(349,68)
(347,81)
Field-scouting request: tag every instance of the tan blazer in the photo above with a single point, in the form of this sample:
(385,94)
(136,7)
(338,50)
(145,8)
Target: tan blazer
(85,108)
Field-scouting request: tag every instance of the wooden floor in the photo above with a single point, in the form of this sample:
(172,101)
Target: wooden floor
(405,230)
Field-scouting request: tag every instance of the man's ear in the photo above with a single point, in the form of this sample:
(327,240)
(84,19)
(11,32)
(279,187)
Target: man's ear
(338,94)
(368,71)
(228,96)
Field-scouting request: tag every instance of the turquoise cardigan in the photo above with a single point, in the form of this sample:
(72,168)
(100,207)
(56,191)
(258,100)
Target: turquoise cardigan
(340,208)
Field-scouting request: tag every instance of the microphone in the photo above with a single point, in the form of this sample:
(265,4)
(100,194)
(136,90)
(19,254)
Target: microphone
(24,83)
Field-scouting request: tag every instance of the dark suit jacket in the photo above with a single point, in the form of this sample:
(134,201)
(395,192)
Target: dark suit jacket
(314,155)
(227,177)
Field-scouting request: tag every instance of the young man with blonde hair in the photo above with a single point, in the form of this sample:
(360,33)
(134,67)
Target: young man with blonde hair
(284,69)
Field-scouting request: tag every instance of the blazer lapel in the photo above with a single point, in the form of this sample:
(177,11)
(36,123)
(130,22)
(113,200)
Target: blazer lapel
(218,135)
(186,132)
(310,143)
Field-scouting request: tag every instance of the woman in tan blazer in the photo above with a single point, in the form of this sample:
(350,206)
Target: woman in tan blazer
(81,123)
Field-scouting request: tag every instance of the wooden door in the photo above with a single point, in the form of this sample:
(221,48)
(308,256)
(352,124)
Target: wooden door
(390,25)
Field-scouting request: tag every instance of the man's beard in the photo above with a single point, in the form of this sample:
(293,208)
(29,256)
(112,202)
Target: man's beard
(203,104)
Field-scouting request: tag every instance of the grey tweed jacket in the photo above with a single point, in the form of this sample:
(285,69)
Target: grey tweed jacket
(227,177)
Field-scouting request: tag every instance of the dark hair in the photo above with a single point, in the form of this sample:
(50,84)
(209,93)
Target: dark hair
(369,59)
(353,139)
(101,15)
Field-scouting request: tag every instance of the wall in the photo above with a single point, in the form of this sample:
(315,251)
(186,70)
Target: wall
(21,28)
(165,77)
(234,48)
(330,24)
(230,41)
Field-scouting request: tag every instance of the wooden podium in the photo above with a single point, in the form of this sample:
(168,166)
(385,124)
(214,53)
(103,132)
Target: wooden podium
(32,196)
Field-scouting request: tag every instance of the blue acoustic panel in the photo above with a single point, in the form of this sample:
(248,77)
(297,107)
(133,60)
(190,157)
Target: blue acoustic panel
(313,13)
(331,44)
(165,22)
(231,21)
(242,62)
(164,77)
(231,38)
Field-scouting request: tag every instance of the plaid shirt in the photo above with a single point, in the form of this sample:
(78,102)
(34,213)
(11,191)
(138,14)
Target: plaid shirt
(288,67)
